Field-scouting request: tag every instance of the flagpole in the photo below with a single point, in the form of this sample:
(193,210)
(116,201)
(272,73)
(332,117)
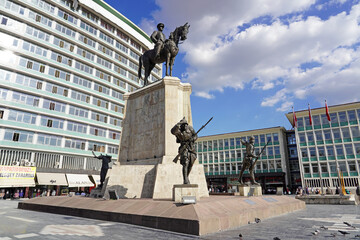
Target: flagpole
(317,151)
(332,136)
(303,182)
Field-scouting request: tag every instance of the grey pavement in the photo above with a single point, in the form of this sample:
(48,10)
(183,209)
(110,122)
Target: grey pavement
(22,224)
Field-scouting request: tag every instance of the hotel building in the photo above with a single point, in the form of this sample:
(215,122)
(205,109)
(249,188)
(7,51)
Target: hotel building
(324,147)
(64,68)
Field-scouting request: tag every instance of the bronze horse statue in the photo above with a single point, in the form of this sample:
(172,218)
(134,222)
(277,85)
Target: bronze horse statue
(167,53)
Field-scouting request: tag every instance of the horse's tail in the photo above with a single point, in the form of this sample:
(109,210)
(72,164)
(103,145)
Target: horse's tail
(140,66)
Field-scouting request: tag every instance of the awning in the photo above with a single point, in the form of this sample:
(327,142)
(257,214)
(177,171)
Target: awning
(96,179)
(15,176)
(79,180)
(56,179)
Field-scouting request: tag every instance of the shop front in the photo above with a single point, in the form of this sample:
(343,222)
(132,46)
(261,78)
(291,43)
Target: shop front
(79,184)
(50,184)
(15,181)
(217,185)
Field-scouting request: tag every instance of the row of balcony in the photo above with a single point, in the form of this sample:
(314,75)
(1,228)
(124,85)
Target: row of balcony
(327,125)
(237,159)
(324,158)
(236,147)
(245,172)
(316,175)
(330,141)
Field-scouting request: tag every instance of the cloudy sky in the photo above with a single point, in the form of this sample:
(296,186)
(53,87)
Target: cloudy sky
(250,61)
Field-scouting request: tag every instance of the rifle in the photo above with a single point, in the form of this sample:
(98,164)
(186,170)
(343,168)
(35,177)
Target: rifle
(187,143)
(262,150)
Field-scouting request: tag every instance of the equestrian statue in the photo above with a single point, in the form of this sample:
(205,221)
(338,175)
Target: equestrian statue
(164,50)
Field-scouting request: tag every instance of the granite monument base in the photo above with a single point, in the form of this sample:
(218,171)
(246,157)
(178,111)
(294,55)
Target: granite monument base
(145,167)
(247,191)
(149,181)
(185,190)
(208,215)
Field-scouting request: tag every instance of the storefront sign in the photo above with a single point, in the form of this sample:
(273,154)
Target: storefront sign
(15,176)
(79,180)
(55,179)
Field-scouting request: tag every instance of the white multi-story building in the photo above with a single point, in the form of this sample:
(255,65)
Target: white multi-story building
(222,157)
(325,147)
(63,73)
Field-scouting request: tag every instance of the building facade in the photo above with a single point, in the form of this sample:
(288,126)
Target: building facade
(293,160)
(64,68)
(324,147)
(222,157)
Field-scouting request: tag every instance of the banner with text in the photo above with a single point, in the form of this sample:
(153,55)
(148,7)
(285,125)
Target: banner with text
(16,176)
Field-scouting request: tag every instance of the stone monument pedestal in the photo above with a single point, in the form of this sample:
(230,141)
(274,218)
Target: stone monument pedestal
(248,191)
(185,190)
(145,168)
(96,193)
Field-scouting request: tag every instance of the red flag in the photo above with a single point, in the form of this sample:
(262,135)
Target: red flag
(310,120)
(294,118)
(327,112)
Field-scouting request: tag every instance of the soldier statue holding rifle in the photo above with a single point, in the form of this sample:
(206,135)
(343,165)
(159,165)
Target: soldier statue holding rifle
(186,136)
(250,160)
(106,159)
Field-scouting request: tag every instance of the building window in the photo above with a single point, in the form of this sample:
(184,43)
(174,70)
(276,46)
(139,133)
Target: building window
(49,123)
(39,85)
(29,64)
(54,89)
(16,137)
(36,102)
(330,151)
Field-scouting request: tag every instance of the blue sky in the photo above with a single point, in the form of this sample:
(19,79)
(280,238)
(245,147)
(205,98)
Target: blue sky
(250,61)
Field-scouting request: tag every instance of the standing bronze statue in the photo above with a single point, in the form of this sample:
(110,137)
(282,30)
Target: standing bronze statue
(164,51)
(186,136)
(106,159)
(250,160)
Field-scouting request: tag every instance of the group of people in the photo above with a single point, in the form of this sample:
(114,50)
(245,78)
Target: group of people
(328,191)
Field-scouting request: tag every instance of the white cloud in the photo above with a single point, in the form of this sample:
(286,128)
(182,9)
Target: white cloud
(285,107)
(267,55)
(204,95)
(271,101)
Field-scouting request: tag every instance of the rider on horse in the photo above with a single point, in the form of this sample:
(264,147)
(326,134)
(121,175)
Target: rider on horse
(159,39)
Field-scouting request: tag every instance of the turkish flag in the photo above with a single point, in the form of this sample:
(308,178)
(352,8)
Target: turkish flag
(327,111)
(310,120)
(294,119)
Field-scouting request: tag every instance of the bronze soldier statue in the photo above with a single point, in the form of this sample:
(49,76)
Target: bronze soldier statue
(159,39)
(249,161)
(186,136)
(106,159)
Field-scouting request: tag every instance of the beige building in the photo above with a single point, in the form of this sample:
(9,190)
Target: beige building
(223,154)
(328,146)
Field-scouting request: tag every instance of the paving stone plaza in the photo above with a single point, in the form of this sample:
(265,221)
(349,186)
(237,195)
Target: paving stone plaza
(21,224)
